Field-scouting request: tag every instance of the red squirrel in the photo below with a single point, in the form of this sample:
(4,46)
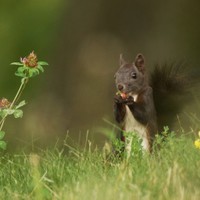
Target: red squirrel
(135,106)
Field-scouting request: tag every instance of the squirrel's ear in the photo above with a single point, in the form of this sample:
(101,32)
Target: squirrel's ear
(121,60)
(139,62)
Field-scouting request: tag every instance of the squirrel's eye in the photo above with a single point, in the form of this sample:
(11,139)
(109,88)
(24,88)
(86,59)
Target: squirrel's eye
(134,75)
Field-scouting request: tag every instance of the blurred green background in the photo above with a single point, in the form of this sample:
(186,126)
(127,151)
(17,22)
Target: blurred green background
(82,40)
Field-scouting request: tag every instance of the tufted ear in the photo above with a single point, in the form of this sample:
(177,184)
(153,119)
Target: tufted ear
(139,62)
(121,60)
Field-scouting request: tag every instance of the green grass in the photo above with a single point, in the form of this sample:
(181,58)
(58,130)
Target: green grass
(173,172)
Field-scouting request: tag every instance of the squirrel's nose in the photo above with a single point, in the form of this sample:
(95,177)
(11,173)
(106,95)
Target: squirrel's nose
(120,87)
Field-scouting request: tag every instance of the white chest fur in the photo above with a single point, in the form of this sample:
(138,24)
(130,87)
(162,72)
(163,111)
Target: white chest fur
(131,125)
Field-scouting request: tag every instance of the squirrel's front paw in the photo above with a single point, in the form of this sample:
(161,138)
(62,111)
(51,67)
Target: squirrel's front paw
(129,100)
(118,99)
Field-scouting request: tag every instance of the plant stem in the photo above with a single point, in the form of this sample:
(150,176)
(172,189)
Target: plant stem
(17,96)
(19,92)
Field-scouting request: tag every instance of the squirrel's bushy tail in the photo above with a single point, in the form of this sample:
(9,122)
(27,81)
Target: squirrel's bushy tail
(171,85)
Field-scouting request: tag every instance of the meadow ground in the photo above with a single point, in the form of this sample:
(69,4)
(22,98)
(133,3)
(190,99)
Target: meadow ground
(72,173)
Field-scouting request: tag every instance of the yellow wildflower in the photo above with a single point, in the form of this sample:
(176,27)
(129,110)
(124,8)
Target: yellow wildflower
(197,143)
